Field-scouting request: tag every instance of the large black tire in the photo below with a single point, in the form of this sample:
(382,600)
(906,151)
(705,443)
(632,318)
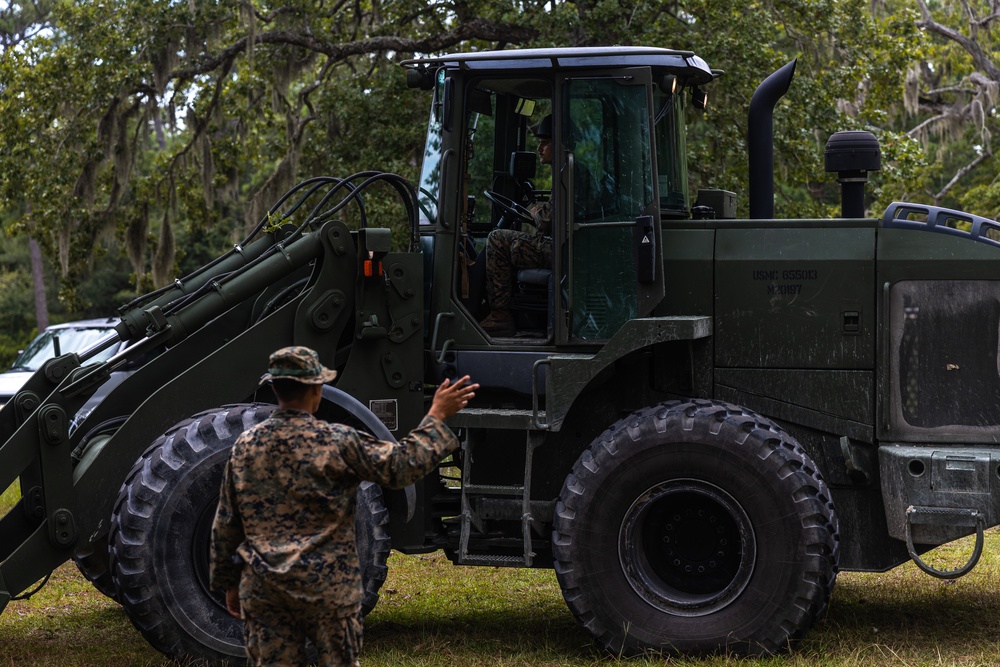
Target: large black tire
(160,535)
(93,561)
(695,527)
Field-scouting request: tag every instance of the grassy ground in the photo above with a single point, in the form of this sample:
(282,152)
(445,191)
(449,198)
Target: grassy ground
(433,613)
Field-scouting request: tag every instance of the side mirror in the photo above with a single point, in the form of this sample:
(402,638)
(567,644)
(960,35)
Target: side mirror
(422,78)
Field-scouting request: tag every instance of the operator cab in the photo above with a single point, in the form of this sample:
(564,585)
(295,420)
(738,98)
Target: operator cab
(618,169)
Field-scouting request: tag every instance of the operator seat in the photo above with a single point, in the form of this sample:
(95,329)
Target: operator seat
(532,302)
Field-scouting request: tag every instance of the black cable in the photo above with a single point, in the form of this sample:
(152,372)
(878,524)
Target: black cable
(404,189)
(27,595)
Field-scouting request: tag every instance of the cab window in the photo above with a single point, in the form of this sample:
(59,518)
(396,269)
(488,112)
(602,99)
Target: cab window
(608,121)
(671,154)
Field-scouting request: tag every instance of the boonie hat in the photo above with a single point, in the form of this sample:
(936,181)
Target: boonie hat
(297,363)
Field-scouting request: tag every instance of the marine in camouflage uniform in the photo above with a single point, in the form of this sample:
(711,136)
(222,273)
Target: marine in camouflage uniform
(508,251)
(284,531)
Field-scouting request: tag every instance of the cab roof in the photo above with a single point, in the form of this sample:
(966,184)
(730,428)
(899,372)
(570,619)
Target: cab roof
(685,64)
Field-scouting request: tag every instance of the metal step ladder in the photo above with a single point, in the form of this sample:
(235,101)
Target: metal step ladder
(470,518)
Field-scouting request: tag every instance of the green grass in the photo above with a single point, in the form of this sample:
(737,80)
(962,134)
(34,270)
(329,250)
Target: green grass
(433,613)
(9,497)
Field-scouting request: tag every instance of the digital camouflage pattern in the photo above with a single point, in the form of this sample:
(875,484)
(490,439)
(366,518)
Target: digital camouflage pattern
(298,363)
(280,624)
(508,251)
(287,509)
(288,496)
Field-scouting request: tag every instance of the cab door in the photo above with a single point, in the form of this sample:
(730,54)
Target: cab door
(611,258)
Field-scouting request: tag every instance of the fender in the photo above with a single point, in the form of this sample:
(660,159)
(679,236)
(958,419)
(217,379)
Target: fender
(358,410)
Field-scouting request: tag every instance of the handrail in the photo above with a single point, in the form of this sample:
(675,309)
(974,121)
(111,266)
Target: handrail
(949,517)
(434,336)
(535,412)
(937,219)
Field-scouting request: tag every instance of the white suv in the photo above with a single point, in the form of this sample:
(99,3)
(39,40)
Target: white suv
(58,339)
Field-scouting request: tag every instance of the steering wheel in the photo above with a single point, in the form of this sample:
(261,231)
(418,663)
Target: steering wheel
(513,213)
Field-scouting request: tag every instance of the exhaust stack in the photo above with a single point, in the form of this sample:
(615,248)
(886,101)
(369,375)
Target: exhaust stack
(760,140)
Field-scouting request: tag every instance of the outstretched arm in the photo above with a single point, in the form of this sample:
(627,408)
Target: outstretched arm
(452,397)
(395,464)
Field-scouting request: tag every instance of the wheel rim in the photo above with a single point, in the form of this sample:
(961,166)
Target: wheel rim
(201,548)
(687,547)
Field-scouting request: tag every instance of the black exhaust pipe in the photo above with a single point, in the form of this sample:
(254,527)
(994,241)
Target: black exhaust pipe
(760,140)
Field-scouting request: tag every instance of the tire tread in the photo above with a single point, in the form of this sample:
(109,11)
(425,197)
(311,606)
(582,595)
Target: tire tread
(699,418)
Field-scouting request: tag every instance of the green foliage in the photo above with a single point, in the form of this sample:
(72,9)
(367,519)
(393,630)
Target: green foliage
(157,122)
(948,107)
(163,130)
(17,308)
(847,72)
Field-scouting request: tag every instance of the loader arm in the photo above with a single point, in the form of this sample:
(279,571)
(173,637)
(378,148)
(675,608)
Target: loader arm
(72,505)
(132,328)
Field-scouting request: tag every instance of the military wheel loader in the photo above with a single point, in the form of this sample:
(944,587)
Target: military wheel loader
(699,421)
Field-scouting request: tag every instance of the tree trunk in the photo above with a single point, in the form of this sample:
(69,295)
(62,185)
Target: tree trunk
(38,280)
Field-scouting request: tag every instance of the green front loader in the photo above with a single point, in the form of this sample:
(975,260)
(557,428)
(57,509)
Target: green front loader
(699,421)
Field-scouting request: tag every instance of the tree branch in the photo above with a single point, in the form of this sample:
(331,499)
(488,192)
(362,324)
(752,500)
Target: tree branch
(927,123)
(478,28)
(962,172)
(982,61)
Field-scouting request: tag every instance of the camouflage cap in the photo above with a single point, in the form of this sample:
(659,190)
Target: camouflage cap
(297,363)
